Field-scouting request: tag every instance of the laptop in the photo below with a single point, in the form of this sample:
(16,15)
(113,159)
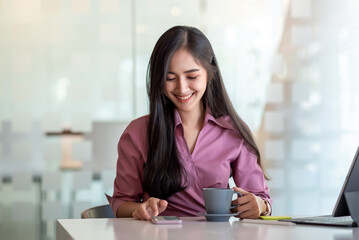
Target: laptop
(346,210)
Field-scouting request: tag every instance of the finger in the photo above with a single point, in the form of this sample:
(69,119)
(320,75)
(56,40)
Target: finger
(243,208)
(162,205)
(154,206)
(242,213)
(248,198)
(243,203)
(136,214)
(235,210)
(245,211)
(249,210)
(235,202)
(245,199)
(142,211)
(244,192)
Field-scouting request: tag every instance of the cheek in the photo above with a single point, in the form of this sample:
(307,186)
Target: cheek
(202,85)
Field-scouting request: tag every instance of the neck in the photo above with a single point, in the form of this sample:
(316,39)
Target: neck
(193,119)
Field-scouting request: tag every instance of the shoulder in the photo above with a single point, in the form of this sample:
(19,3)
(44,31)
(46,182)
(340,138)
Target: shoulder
(136,130)
(133,141)
(138,125)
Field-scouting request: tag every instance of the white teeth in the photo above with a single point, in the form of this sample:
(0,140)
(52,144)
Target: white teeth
(185,98)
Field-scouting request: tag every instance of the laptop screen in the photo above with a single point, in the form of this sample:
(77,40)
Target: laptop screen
(351,184)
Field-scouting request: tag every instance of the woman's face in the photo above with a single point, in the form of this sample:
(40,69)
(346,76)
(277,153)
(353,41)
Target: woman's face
(186,82)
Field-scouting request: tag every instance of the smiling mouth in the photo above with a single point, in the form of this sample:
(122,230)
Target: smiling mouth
(184,98)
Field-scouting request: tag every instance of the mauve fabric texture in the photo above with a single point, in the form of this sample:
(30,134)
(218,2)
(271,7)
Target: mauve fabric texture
(219,150)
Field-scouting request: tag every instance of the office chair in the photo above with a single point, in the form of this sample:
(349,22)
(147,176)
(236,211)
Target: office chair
(103,211)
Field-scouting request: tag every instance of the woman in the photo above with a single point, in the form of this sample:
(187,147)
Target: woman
(192,138)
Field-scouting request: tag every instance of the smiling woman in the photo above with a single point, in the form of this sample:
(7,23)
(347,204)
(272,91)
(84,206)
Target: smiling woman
(192,138)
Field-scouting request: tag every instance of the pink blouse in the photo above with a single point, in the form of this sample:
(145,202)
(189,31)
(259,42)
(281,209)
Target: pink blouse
(219,150)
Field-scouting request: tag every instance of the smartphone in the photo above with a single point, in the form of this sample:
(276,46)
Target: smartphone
(165,220)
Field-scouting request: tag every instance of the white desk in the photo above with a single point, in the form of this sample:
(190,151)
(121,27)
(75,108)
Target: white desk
(193,228)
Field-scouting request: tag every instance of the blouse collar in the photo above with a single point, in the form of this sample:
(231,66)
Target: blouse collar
(223,121)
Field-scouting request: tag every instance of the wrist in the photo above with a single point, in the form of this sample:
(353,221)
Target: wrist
(267,209)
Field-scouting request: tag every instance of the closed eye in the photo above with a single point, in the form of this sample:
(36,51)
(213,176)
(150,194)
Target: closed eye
(170,79)
(192,77)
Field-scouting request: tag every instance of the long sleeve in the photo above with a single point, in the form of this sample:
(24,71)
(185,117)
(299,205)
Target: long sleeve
(248,175)
(131,158)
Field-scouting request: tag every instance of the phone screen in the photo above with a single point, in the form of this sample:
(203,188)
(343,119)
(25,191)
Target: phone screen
(166,220)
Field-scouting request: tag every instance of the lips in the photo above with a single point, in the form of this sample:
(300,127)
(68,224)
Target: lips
(184,98)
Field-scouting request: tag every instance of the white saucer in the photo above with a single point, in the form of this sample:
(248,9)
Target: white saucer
(223,217)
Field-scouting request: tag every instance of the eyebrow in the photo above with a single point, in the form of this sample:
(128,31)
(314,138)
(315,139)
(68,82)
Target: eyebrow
(188,71)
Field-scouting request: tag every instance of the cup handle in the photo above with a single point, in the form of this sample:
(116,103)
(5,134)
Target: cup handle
(240,195)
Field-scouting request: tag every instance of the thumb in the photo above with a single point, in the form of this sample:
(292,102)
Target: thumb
(244,192)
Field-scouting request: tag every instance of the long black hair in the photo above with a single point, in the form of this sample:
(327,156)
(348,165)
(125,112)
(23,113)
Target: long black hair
(164,173)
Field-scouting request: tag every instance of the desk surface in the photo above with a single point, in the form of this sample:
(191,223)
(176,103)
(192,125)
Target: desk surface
(193,228)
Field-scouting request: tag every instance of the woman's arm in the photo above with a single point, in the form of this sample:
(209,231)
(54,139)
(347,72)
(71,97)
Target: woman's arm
(248,175)
(128,190)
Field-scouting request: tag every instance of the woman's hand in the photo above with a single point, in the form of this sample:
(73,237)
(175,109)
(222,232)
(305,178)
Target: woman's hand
(149,208)
(250,205)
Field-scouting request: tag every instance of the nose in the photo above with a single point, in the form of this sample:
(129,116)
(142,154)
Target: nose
(182,85)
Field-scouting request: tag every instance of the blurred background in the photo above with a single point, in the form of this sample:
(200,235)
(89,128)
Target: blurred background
(72,76)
